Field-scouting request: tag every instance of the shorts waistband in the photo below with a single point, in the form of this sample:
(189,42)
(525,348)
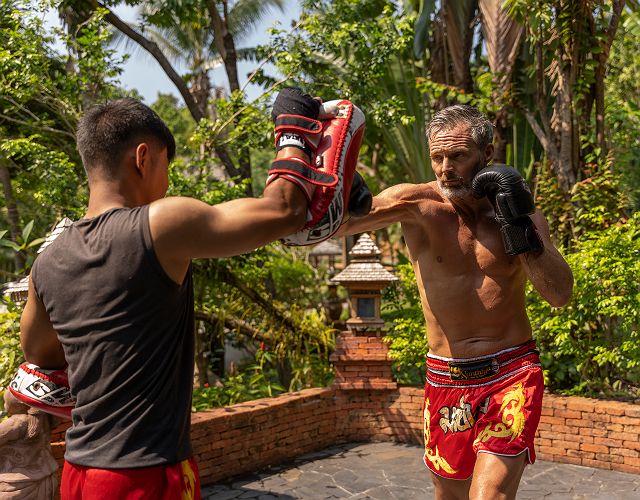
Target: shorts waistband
(483,369)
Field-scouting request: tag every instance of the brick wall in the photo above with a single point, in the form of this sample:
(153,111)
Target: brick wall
(248,436)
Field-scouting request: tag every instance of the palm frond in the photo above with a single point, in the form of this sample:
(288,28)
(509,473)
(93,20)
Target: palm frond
(245,14)
(502,35)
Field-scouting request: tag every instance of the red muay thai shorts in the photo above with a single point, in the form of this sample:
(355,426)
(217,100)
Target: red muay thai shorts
(166,482)
(488,404)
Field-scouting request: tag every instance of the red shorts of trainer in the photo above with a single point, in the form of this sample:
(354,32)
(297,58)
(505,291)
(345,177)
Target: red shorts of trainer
(167,482)
(489,404)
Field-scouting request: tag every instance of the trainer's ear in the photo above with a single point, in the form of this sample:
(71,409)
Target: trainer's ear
(142,158)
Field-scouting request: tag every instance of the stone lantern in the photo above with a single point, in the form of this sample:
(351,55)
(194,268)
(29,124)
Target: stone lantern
(364,278)
(329,250)
(361,359)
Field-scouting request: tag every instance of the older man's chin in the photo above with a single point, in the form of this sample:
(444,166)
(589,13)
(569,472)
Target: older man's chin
(454,193)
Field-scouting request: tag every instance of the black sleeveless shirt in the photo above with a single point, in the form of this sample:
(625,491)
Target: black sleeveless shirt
(127,330)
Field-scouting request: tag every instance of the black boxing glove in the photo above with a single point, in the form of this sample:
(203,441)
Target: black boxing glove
(360,197)
(513,203)
(295,115)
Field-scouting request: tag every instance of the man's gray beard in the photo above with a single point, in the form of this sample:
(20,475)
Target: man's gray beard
(457,192)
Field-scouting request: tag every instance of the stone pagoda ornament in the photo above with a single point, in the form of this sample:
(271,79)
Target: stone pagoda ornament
(364,278)
(361,359)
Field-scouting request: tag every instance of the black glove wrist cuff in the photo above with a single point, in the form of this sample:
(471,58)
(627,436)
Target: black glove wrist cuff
(520,236)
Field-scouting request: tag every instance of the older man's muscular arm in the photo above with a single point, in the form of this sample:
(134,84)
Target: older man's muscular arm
(394,204)
(548,271)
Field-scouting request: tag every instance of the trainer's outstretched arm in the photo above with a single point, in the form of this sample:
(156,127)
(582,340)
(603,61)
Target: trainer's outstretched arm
(548,271)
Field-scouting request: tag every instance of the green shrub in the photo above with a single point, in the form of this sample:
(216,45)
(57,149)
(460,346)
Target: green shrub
(10,350)
(406,335)
(592,346)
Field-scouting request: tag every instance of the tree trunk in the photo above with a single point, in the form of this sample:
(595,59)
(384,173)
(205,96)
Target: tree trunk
(12,211)
(224,42)
(603,57)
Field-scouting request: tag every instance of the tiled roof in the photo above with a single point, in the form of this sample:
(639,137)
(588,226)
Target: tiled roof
(18,290)
(364,247)
(327,247)
(364,272)
(365,264)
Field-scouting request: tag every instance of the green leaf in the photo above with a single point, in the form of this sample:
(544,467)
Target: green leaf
(423,23)
(26,231)
(10,244)
(36,242)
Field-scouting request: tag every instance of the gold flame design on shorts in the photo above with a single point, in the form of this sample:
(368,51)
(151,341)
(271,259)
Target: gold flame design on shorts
(513,418)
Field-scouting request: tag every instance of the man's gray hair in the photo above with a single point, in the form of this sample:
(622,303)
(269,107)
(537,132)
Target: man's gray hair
(452,116)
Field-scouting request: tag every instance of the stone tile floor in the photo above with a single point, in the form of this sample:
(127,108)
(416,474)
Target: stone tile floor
(386,471)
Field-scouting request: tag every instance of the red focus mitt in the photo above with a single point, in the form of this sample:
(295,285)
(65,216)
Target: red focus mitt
(47,390)
(332,142)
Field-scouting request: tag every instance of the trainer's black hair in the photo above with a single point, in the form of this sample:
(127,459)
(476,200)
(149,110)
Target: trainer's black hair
(106,131)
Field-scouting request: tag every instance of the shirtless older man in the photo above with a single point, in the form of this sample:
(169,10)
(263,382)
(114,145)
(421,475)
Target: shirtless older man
(474,238)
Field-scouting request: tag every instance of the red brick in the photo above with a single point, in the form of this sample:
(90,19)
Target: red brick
(567,445)
(614,408)
(632,445)
(546,411)
(606,457)
(625,468)
(596,417)
(596,463)
(635,461)
(624,452)
(612,443)
(568,460)
(558,402)
(632,411)
(580,454)
(566,413)
(579,422)
(552,450)
(580,404)
(619,420)
(563,429)
(596,448)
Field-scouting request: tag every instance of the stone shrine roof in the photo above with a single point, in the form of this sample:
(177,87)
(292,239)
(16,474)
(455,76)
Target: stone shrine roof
(365,266)
(327,247)
(18,290)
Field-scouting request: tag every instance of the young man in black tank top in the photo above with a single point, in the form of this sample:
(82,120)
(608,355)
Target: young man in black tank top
(112,297)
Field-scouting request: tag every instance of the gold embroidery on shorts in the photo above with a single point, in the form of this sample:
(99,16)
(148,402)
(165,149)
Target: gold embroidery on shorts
(188,480)
(433,456)
(512,417)
(457,419)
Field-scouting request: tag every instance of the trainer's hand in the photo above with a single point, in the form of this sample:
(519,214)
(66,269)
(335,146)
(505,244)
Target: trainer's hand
(513,203)
(360,197)
(292,101)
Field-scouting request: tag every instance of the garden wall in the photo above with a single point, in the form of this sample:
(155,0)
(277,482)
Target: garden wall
(248,436)
(365,404)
